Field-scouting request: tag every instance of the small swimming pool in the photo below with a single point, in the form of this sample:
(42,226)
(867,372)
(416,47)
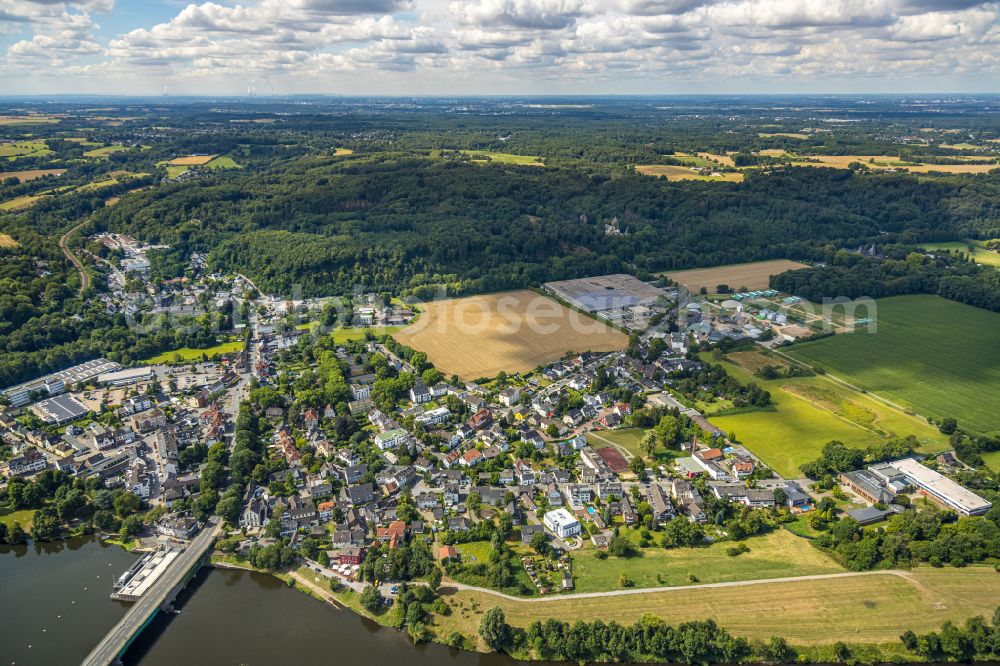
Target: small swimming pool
(591,510)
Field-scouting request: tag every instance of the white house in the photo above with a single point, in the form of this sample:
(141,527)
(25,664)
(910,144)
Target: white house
(434,416)
(510,397)
(562,523)
(390,439)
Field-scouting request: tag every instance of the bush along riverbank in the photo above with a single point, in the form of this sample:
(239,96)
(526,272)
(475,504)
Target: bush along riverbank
(651,639)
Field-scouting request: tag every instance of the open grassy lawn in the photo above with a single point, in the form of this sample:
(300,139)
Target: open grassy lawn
(809,412)
(104,151)
(187,354)
(223,162)
(24,517)
(342,335)
(474,551)
(30,148)
(626,438)
(775,555)
(175,170)
(115,178)
(23,201)
(935,356)
(485,156)
(868,609)
(978,252)
(992,460)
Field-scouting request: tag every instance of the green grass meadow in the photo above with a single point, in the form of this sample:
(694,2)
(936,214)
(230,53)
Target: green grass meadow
(934,356)
(808,412)
(978,252)
(187,354)
(779,554)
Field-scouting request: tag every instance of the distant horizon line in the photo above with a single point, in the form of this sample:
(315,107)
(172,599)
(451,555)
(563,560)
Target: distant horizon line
(264,97)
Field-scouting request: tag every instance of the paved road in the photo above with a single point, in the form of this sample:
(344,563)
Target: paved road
(106,652)
(652,590)
(64,246)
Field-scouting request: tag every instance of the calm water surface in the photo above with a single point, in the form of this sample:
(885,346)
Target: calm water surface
(55,599)
(56,608)
(233,617)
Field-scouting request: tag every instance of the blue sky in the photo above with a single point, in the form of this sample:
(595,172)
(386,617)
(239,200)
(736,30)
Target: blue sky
(499,46)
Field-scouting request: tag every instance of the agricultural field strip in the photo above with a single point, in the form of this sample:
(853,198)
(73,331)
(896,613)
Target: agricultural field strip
(905,359)
(873,609)
(451,333)
(677,588)
(753,275)
(846,384)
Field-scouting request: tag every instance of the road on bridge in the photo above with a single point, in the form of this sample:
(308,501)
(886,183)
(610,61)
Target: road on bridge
(114,642)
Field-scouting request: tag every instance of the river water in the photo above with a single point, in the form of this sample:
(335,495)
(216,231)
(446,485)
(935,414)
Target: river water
(55,599)
(226,618)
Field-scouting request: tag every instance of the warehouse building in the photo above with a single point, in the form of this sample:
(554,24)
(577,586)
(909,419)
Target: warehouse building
(60,409)
(605,293)
(56,383)
(125,377)
(942,488)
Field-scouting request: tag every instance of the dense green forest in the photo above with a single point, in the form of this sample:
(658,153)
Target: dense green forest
(408,214)
(398,221)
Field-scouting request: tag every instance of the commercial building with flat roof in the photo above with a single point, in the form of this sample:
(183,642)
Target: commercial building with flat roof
(942,488)
(56,383)
(60,409)
(604,293)
(124,377)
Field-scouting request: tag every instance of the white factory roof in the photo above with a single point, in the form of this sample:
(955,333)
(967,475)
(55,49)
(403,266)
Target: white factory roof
(129,374)
(941,486)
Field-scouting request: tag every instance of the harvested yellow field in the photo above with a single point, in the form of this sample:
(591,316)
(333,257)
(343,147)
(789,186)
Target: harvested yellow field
(28,120)
(192,160)
(773,152)
(513,331)
(842,161)
(880,162)
(342,151)
(953,168)
(671,172)
(752,275)
(724,160)
(30,174)
(7,241)
(787,135)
